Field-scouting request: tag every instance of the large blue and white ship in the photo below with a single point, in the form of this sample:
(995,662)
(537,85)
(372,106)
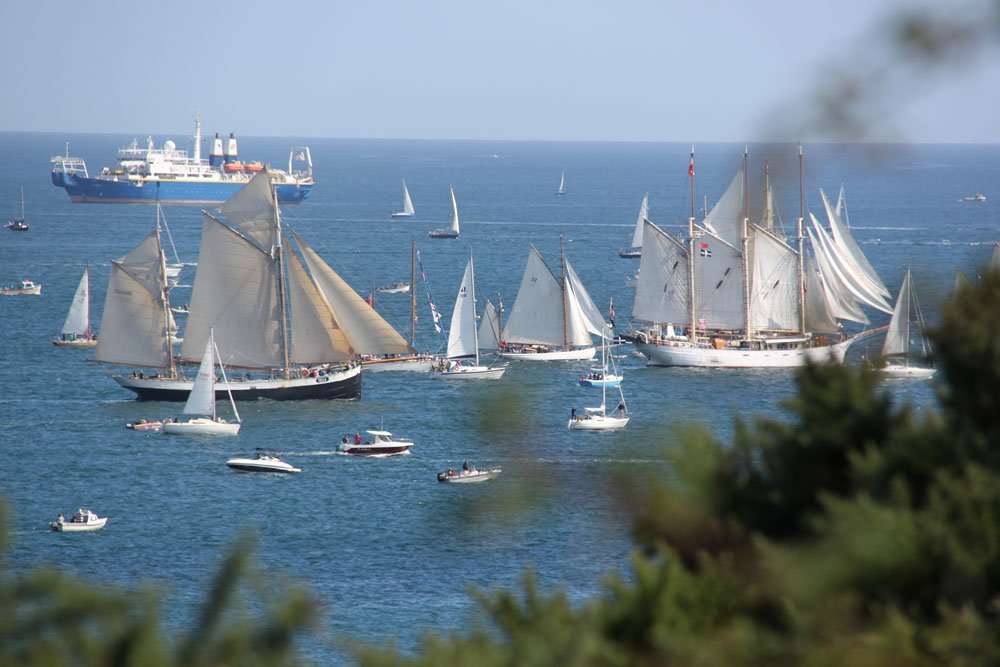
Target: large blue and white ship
(169,175)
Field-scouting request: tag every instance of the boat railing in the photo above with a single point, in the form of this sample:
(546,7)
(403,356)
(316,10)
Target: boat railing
(64,164)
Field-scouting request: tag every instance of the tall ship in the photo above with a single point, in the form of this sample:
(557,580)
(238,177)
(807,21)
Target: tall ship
(286,323)
(736,293)
(170,175)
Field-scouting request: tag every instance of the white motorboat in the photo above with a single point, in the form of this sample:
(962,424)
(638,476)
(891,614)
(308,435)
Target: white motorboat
(452,231)
(408,210)
(979,196)
(896,348)
(26,288)
(82,521)
(201,401)
(552,318)
(380,445)
(469,474)
(264,460)
(597,418)
(76,331)
(395,288)
(143,424)
(463,338)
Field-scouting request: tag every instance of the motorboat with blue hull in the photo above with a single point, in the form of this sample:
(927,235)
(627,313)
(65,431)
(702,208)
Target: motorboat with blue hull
(337,384)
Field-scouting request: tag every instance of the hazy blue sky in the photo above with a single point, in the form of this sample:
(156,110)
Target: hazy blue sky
(693,70)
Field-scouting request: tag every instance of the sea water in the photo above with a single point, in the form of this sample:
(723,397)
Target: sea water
(387,550)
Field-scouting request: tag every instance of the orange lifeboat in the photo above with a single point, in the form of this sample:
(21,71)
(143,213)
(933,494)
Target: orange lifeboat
(253,167)
(233,166)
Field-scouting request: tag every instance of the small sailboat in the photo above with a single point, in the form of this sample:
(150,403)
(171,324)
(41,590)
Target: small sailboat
(634,251)
(202,401)
(552,318)
(18,222)
(407,205)
(562,184)
(76,331)
(597,418)
(463,337)
(452,231)
(896,348)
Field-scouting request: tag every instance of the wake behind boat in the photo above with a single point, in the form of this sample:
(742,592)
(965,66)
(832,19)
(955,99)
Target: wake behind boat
(168,175)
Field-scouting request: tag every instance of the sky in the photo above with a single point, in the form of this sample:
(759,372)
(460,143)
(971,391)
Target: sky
(560,70)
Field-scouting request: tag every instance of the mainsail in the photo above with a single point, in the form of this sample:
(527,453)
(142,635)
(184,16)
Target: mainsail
(453,227)
(489,329)
(407,203)
(78,319)
(201,400)
(462,334)
(663,291)
(897,336)
(643,215)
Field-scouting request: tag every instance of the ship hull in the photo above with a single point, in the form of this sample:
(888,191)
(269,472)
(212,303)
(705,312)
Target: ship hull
(343,384)
(702,357)
(106,190)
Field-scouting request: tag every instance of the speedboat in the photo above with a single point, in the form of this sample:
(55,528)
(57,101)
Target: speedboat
(381,444)
(264,460)
(144,425)
(25,288)
(395,288)
(468,475)
(83,520)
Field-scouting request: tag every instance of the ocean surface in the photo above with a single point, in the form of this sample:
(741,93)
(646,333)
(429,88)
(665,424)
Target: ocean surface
(388,551)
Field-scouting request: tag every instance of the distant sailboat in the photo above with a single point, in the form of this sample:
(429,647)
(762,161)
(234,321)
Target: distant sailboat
(76,330)
(18,223)
(896,348)
(552,319)
(562,184)
(407,205)
(201,401)
(452,231)
(463,336)
(634,251)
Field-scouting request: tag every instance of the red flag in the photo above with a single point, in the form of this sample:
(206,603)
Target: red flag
(691,169)
(704,245)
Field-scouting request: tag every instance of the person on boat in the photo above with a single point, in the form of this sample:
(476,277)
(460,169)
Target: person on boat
(357,438)
(465,465)
(572,412)
(60,518)
(345,441)
(621,408)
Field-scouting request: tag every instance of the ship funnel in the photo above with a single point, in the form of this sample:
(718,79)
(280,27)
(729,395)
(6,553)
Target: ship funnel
(215,157)
(231,154)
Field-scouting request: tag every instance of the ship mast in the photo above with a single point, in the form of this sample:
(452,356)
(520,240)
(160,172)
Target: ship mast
(413,297)
(562,273)
(276,253)
(801,223)
(691,287)
(745,243)
(165,301)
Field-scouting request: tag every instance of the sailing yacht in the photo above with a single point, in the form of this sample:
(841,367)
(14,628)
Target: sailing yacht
(562,184)
(552,318)
(735,294)
(597,418)
(18,223)
(896,348)
(463,336)
(201,401)
(407,205)
(293,324)
(634,251)
(76,331)
(452,231)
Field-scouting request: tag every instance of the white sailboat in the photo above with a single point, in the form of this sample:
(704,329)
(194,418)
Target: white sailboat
(597,418)
(407,205)
(552,319)
(76,331)
(463,336)
(562,184)
(293,324)
(735,294)
(896,348)
(452,231)
(489,329)
(634,251)
(201,401)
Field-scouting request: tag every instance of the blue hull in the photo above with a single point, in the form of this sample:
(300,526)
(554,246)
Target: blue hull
(102,190)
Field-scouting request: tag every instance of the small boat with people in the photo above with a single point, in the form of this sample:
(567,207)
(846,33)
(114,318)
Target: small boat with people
(263,460)
(143,424)
(469,474)
(83,520)
(381,444)
(395,288)
(599,376)
(26,288)
(979,196)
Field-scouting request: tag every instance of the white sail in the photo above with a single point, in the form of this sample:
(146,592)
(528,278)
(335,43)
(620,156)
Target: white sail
(453,227)
(462,334)
(860,288)
(663,291)
(407,203)
(201,400)
(774,289)
(253,211)
(316,336)
(725,220)
(133,326)
(643,215)
(562,184)
(584,316)
(78,319)
(366,331)
(839,297)
(842,237)
(718,274)
(897,336)
(537,314)
(489,329)
(818,309)
(236,293)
